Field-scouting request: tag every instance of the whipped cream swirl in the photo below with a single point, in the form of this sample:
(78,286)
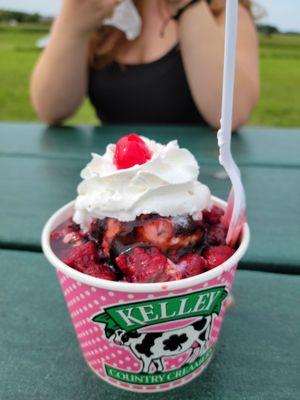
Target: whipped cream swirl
(166,185)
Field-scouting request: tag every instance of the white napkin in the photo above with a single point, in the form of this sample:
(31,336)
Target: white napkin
(127,19)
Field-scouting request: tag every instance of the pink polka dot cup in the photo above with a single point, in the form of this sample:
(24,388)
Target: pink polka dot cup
(146,337)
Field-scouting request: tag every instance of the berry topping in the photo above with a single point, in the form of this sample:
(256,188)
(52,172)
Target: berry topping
(213,216)
(112,228)
(67,232)
(147,265)
(152,248)
(131,150)
(96,230)
(166,234)
(216,235)
(158,232)
(216,255)
(84,258)
(190,265)
(65,237)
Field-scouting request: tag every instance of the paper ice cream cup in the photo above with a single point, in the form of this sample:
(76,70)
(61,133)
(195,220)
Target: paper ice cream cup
(146,337)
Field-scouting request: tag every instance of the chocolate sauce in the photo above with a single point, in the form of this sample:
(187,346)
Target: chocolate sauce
(97,230)
(183,226)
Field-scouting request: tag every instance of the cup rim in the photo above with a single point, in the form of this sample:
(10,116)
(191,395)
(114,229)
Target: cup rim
(64,212)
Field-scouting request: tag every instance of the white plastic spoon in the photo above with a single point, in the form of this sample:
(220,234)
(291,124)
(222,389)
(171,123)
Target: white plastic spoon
(235,215)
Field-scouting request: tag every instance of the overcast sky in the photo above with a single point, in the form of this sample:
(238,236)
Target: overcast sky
(282,13)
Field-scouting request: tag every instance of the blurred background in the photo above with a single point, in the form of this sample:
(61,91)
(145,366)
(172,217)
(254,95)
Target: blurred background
(25,24)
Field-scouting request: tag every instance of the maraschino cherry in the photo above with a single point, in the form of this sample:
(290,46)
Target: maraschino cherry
(131,150)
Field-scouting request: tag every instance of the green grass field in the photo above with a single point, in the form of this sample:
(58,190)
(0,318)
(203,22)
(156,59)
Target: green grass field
(280,78)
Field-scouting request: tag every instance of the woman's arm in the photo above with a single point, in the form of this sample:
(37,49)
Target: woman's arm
(201,37)
(59,80)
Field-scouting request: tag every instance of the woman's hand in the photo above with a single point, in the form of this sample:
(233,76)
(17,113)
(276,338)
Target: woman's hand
(82,17)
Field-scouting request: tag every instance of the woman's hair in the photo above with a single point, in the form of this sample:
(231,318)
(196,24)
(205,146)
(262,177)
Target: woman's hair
(106,41)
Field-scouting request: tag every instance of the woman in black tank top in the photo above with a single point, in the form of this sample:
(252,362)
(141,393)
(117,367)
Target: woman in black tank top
(182,85)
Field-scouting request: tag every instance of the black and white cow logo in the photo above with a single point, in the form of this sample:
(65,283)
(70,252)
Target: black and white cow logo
(151,347)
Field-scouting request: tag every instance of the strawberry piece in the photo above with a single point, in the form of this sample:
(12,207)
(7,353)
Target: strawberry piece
(65,237)
(112,229)
(216,255)
(166,234)
(68,233)
(158,232)
(83,258)
(216,235)
(191,264)
(181,241)
(213,216)
(131,150)
(147,265)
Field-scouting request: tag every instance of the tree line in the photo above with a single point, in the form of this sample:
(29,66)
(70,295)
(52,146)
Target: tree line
(8,16)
